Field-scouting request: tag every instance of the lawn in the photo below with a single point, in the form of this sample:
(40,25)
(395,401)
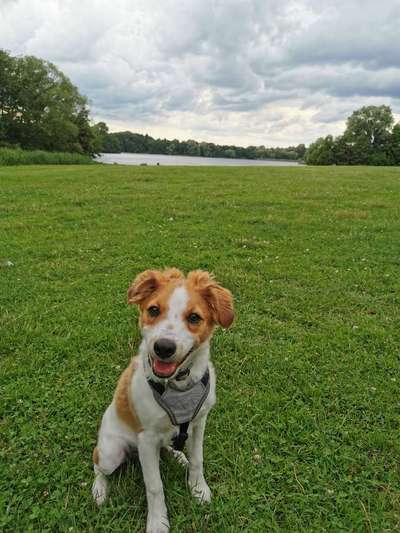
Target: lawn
(305,433)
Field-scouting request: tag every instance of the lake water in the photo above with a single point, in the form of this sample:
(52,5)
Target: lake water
(178,160)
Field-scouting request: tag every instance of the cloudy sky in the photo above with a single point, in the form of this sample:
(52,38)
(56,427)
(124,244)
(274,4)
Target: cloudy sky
(272,72)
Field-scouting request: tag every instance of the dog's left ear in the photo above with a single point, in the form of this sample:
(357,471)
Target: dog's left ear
(219,299)
(222,302)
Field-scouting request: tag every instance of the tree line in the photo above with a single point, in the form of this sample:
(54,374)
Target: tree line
(126,141)
(371,137)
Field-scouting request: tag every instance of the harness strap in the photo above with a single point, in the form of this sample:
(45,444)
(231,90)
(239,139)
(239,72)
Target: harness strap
(179,440)
(206,378)
(158,391)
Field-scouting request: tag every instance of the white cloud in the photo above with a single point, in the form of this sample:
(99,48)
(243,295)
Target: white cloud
(256,72)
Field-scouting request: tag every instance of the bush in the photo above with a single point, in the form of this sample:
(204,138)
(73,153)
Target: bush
(16,156)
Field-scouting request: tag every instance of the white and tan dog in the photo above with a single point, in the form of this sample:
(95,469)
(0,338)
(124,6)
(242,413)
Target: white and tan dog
(177,318)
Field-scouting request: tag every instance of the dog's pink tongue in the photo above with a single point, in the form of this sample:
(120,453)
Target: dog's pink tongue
(164,369)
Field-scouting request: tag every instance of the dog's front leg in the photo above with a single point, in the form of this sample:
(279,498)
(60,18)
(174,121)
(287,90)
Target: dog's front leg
(149,455)
(197,483)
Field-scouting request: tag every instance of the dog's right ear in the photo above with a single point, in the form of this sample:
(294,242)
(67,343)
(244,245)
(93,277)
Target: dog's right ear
(143,286)
(149,281)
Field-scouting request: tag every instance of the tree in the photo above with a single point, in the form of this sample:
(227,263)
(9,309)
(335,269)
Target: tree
(40,107)
(112,144)
(7,88)
(300,151)
(370,123)
(99,134)
(321,152)
(342,151)
(395,144)
(369,139)
(230,153)
(369,130)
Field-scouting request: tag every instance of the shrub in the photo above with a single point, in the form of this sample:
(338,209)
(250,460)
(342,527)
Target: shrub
(16,156)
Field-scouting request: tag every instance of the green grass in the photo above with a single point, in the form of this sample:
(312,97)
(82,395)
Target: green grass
(305,433)
(16,156)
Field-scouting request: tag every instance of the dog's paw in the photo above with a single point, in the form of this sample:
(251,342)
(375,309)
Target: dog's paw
(200,490)
(157,525)
(179,456)
(100,489)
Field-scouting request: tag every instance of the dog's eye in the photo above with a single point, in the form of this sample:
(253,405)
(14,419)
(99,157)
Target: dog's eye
(153,311)
(194,318)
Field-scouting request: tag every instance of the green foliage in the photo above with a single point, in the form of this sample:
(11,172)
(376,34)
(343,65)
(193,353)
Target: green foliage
(99,133)
(370,138)
(370,126)
(395,144)
(17,156)
(126,141)
(321,152)
(41,109)
(305,433)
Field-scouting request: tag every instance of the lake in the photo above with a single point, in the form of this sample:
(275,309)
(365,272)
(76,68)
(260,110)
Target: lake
(178,160)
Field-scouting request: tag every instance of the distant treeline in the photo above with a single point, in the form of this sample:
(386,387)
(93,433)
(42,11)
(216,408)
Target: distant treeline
(371,138)
(126,141)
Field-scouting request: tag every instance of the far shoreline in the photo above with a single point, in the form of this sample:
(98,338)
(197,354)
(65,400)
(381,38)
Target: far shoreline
(145,159)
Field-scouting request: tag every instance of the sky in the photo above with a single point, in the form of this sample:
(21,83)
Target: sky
(244,72)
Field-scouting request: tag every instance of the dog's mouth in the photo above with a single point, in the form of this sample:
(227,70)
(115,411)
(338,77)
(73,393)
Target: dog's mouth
(166,369)
(163,369)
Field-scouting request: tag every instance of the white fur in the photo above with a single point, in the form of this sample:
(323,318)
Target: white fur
(115,438)
(172,327)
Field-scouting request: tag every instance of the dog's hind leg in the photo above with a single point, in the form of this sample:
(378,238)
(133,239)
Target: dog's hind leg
(107,457)
(100,486)
(113,443)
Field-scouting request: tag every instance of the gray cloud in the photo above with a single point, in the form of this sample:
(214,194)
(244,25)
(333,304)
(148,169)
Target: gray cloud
(259,72)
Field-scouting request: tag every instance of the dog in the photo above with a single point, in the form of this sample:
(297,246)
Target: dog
(164,396)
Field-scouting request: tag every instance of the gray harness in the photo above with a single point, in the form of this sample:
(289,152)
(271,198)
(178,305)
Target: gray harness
(181,405)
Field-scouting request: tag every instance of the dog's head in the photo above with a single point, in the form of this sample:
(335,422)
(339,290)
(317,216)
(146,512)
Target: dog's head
(178,314)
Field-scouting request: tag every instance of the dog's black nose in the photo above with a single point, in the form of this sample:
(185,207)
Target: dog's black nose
(164,348)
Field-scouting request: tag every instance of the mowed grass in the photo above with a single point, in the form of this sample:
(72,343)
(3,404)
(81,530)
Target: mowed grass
(305,433)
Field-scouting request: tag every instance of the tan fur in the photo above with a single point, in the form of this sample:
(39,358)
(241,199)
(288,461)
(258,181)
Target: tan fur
(149,281)
(96,456)
(125,408)
(197,304)
(219,299)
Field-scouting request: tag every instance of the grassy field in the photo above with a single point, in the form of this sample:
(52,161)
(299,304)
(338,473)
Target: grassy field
(305,433)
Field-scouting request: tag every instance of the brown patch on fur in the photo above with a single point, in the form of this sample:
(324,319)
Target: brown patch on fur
(197,304)
(153,288)
(218,299)
(123,404)
(96,456)
(149,281)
